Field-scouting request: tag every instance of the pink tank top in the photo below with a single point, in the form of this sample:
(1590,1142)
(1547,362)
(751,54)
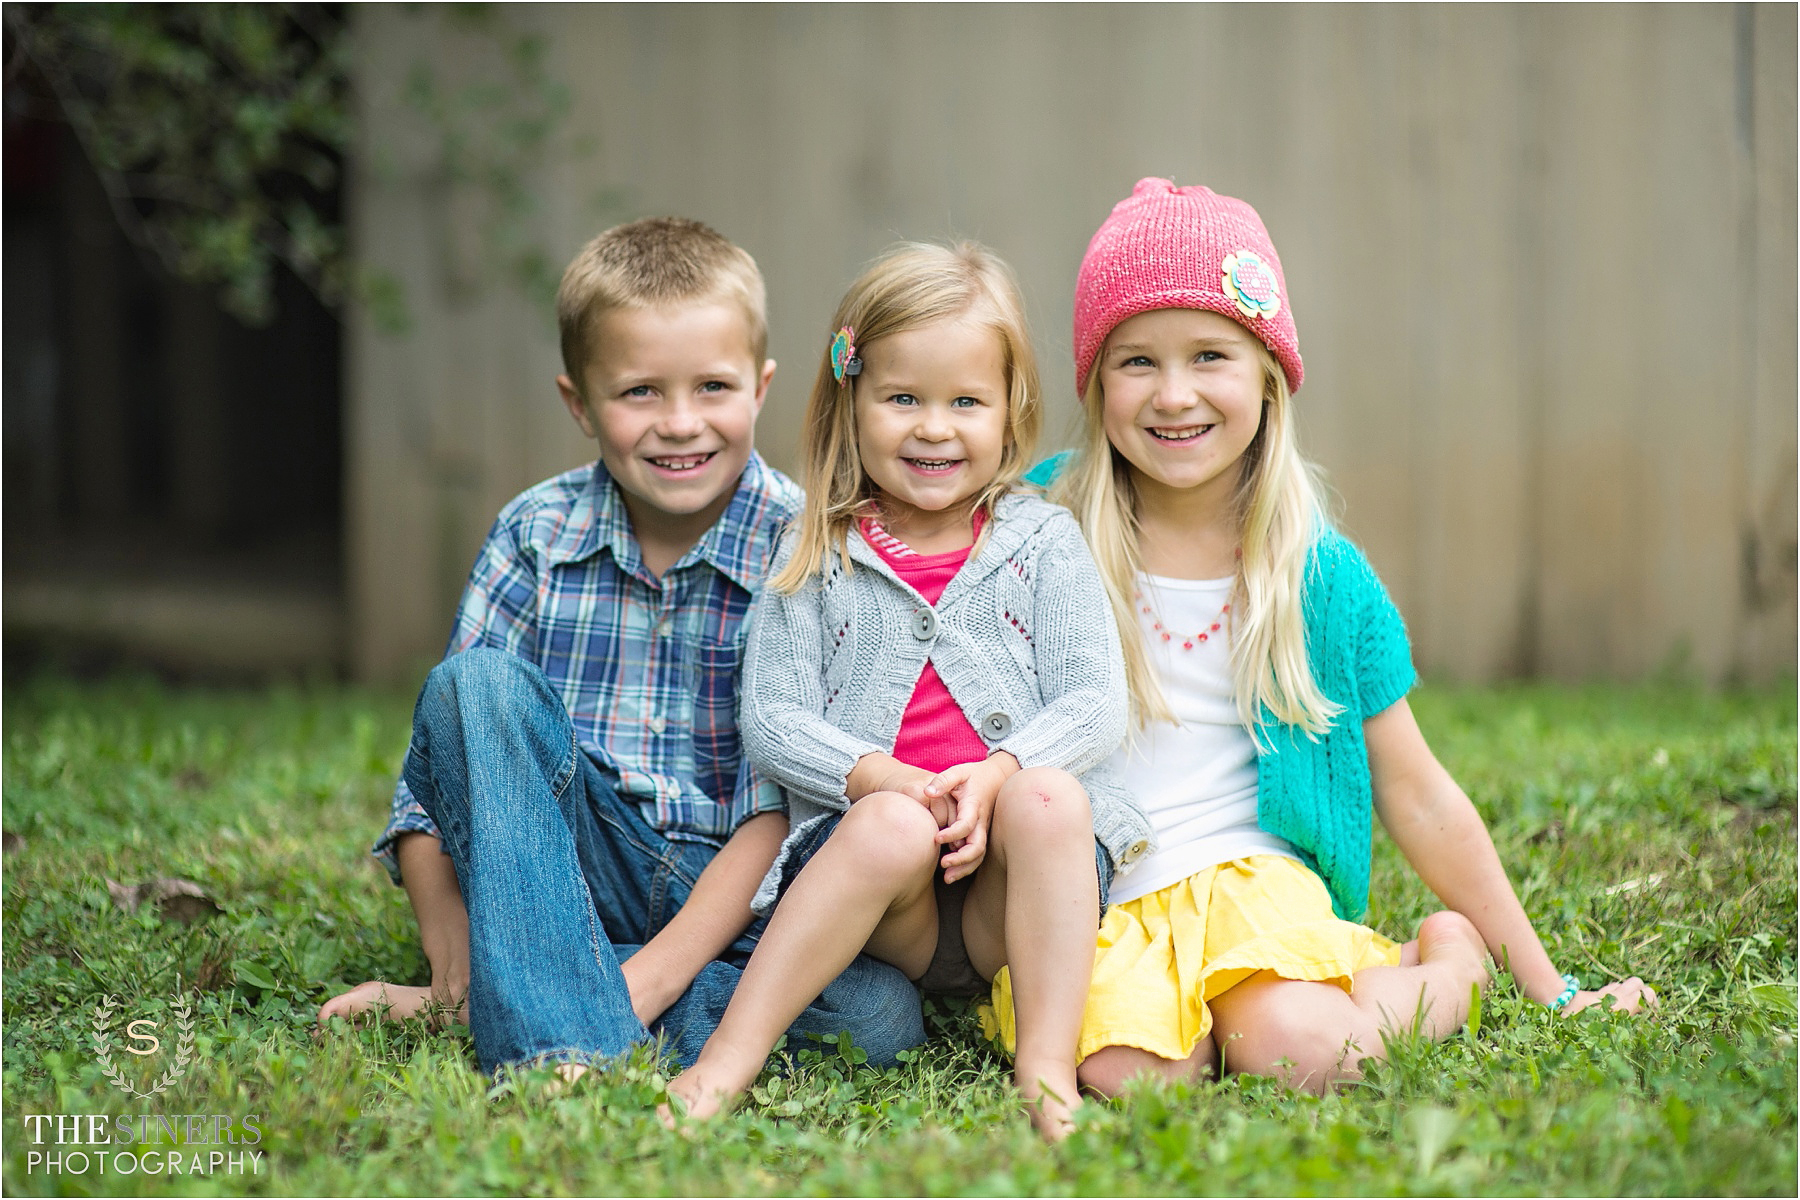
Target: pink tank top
(934,733)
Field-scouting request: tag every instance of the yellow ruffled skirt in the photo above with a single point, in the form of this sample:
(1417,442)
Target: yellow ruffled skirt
(1163,957)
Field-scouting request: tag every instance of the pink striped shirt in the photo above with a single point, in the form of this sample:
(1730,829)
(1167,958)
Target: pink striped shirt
(934,733)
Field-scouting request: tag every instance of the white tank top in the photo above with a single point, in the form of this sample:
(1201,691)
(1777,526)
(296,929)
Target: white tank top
(1196,779)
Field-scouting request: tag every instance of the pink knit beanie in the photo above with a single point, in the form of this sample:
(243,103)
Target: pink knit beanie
(1170,247)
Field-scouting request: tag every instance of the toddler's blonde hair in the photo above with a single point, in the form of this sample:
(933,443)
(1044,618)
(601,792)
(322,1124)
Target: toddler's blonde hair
(914,284)
(1280,509)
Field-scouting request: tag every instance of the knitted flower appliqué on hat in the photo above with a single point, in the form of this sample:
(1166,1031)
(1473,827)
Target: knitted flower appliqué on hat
(1250,283)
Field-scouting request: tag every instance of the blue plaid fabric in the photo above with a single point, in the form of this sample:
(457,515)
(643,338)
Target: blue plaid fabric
(647,668)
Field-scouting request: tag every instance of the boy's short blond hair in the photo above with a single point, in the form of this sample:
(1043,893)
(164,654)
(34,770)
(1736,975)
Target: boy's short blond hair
(656,261)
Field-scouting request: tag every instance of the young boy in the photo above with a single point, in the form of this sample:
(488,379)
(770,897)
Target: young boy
(576,754)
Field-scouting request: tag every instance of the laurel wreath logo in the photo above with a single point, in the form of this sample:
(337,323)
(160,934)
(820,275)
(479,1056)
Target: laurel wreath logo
(106,1012)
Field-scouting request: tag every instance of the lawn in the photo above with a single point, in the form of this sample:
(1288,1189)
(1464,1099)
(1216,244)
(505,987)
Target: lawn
(1649,831)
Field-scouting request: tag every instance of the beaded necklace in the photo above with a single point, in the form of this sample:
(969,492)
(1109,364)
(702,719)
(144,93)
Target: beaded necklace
(1188,640)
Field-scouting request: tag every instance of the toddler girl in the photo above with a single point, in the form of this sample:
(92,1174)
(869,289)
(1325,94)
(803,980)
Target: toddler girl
(1268,670)
(932,676)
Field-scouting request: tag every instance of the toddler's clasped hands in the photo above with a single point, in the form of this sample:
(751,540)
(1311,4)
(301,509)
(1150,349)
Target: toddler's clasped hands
(974,787)
(960,799)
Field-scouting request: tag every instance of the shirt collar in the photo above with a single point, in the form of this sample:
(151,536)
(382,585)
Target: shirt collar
(740,542)
(737,544)
(596,521)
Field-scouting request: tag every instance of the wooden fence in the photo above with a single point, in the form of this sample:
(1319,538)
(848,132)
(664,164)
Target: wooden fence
(1542,259)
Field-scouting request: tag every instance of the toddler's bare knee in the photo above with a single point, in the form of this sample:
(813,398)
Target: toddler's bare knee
(1046,800)
(893,833)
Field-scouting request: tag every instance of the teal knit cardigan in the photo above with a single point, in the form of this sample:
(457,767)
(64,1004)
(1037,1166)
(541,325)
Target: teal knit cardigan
(1315,792)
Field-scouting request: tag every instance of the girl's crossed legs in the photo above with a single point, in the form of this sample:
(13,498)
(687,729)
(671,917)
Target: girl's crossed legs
(1312,1036)
(1033,904)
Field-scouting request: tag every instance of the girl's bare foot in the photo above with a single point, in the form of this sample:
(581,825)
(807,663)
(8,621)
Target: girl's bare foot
(1051,1098)
(1451,938)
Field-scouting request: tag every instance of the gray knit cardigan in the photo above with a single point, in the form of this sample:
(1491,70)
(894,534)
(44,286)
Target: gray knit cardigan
(1022,637)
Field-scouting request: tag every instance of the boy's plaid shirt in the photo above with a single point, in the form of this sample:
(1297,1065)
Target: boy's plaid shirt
(648,670)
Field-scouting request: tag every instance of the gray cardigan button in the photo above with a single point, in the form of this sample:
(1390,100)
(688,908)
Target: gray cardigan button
(924,624)
(995,726)
(1135,851)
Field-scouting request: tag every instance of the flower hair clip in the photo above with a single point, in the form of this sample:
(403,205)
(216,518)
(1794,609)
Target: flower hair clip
(844,362)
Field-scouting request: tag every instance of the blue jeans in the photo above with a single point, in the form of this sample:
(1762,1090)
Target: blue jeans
(564,879)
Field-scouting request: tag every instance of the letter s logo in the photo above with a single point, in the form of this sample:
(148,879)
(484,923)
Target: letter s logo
(131,1031)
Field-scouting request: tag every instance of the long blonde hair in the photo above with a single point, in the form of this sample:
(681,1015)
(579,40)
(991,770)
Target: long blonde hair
(1280,511)
(914,284)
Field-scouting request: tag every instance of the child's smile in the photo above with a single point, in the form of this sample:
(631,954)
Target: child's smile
(931,408)
(1182,394)
(1181,435)
(682,463)
(671,395)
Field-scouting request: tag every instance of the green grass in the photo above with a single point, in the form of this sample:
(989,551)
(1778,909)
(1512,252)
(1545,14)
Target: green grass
(269,799)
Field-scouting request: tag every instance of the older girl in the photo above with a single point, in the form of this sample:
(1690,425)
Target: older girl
(1269,672)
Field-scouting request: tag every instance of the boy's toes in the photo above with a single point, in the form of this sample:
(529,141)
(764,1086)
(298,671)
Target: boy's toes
(673,1112)
(691,1099)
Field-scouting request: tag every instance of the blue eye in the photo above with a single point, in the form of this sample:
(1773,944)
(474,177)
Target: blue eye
(715,385)
(1209,356)
(1136,360)
(965,402)
(906,399)
(642,389)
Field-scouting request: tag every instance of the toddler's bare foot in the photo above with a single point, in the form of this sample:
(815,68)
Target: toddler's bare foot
(1051,1098)
(702,1091)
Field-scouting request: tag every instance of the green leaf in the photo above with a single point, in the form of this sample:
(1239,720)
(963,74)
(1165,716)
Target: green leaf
(1431,1128)
(253,973)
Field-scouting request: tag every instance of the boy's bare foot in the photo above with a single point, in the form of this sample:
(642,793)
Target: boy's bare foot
(1051,1098)
(393,1002)
(703,1091)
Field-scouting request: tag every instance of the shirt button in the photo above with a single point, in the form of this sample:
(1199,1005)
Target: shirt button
(924,624)
(657,725)
(665,629)
(996,726)
(1136,850)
